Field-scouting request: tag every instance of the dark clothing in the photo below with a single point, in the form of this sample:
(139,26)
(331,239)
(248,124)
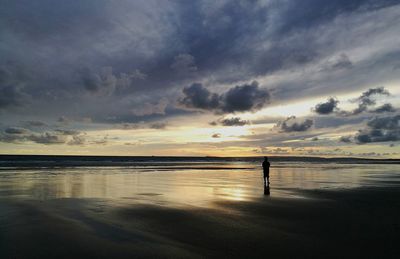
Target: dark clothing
(266,166)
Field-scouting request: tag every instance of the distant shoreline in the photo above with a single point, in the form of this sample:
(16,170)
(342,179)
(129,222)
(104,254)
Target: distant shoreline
(7,161)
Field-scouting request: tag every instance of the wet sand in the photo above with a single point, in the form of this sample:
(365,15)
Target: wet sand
(170,214)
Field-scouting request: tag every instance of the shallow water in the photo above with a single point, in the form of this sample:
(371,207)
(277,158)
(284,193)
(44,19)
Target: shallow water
(189,184)
(190,210)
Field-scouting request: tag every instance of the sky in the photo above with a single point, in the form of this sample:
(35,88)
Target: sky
(200,78)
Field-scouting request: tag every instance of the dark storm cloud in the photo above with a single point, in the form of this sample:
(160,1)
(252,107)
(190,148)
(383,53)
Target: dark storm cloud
(366,97)
(291,124)
(326,107)
(366,100)
(47,138)
(158,125)
(227,27)
(16,130)
(110,58)
(199,97)
(92,82)
(106,83)
(142,125)
(380,129)
(234,121)
(57,136)
(241,98)
(389,123)
(387,107)
(14,135)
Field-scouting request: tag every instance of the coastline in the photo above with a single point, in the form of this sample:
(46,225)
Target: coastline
(49,161)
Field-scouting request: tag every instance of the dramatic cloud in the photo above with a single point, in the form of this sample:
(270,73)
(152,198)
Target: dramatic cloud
(234,121)
(142,125)
(58,136)
(291,124)
(47,138)
(387,107)
(244,98)
(327,107)
(198,97)
(126,62)
(241,98)
(158,125)
(380,129)
(389,123)
(366,100)
(16,131)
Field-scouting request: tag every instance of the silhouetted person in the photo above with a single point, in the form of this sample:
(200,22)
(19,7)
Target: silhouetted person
(266,166)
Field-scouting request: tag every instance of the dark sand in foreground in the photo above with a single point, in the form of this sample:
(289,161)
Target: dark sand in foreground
(359,222)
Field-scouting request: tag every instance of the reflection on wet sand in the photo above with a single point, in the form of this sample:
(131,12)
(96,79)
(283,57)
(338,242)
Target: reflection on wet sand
(190,187)
(125,213)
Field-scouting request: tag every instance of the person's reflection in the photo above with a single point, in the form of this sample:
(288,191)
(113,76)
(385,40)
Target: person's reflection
(266,190)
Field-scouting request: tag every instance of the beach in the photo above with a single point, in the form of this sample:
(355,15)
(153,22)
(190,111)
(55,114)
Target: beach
(193,209)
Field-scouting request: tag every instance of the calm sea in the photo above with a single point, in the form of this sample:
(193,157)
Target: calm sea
(177,181)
